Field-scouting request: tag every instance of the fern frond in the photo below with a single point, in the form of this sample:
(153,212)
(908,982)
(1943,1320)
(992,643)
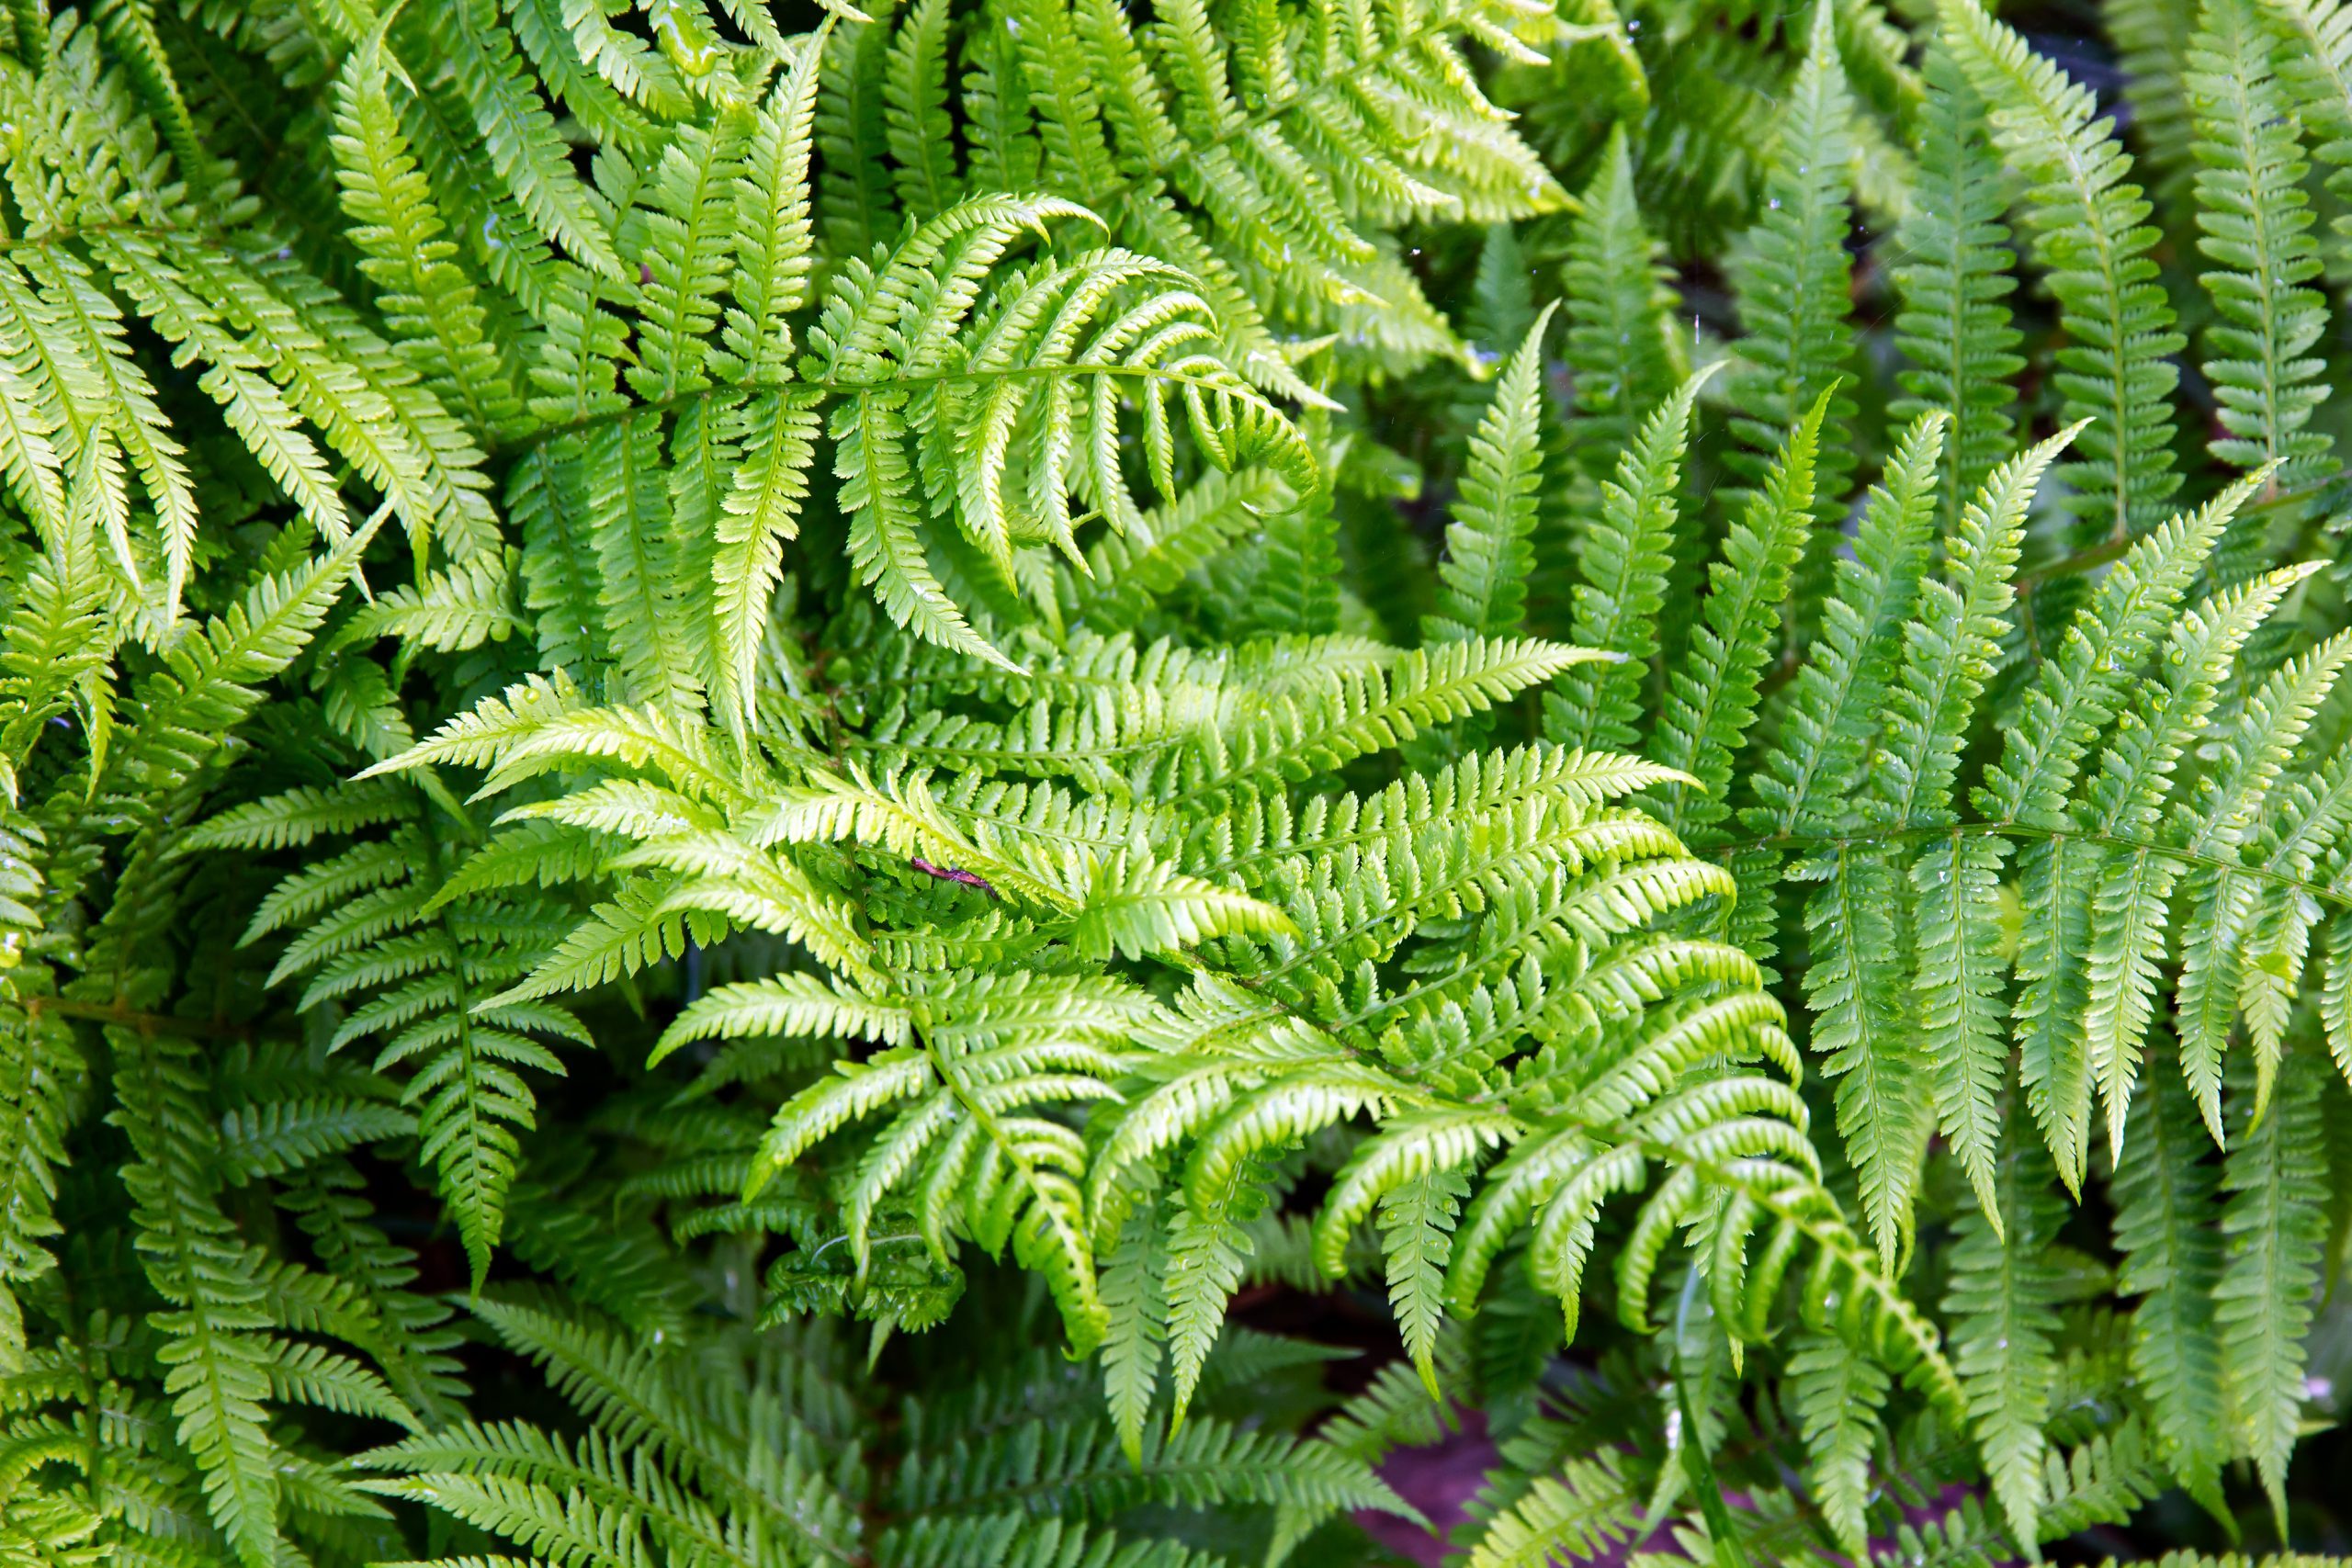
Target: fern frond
(2003,1292)
(2272,1179)
(218,1354)
(2166,1225)
(1955,326)
(1624,559)
(1838,1396)
(418,971)
(1620,341)
(2090,234)
(430,305)
(1794,287)
(2256,224)
(1839,692)
(1710,706)
(1487,553)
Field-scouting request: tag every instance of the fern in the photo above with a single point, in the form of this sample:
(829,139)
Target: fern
(1710,706)
(1956,282)
(372,928)
(1620,341)
(2264,1294)
(2091,237)
(2256,230)
(2164,1228)
(2003,1292)
(219,1362)
(765,778)
(1794,282)
(1624,565)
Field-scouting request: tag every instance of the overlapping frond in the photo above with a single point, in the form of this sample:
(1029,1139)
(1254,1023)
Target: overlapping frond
(370,929)
(954,585)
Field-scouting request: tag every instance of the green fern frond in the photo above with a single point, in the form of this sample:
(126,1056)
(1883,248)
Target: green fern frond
(1710,706)
(1624,559)
(2256,224)
(1488,553)
(413,973)
(1956,279)
(2090,234)
(2262,1303)
(1621,345)
(964,595)
(2003,1292)
(1794,288)
(2166,1226)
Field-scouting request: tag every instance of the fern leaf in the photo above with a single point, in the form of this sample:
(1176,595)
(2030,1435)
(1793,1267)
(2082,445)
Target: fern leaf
(876,491)
(1135,1302)
(1958,992)
(773,235)
(520,136)
(1207,1248)
(1588,1508)
(2256,224)
(1620,344)
(1954,326)
(216,1353)
(1839,1396)
(2088,224)
(1710,706)
(1868,1041)
(1794,287)
(1417,1220)
(2001,1298)
(1624,559)
(761,513)
(429,304)
(1838,693)
(1487,553)
(2272,1218)
(921,135)
(2166,1225)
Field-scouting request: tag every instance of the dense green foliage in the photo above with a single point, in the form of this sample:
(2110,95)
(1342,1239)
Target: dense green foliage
(779,784)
